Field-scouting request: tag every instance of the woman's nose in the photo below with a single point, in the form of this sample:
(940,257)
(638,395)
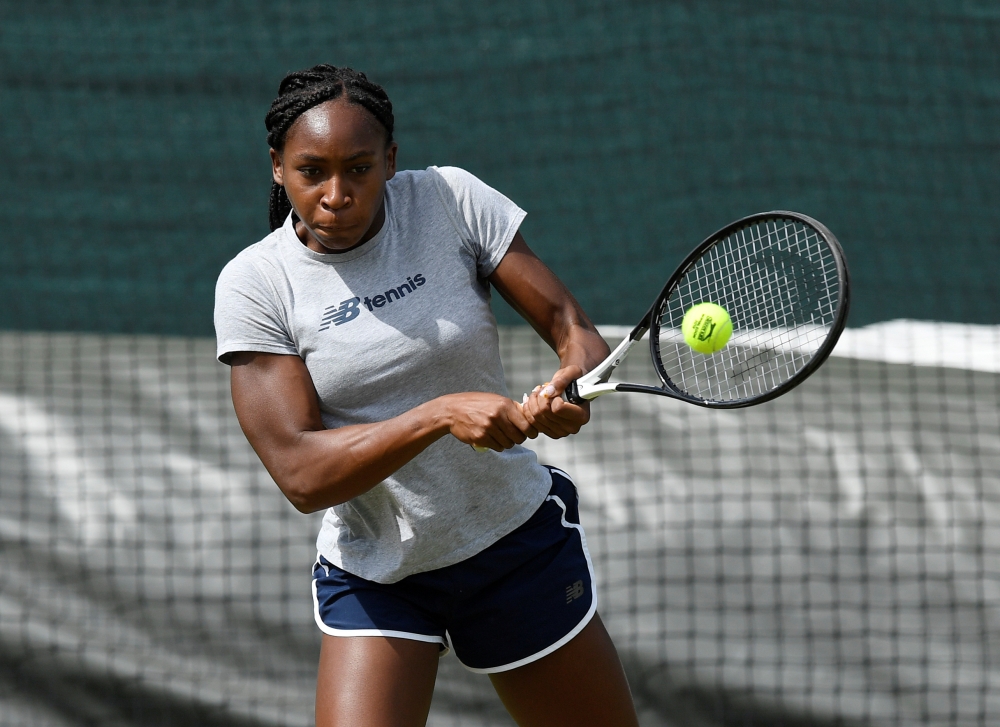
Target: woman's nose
(335,195)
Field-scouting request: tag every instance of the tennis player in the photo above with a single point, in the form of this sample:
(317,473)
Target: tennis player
(365,363)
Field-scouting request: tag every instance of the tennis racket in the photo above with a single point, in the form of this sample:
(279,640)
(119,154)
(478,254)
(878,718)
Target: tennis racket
(783,280)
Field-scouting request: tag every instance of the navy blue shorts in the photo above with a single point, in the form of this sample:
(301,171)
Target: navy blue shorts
(520,599)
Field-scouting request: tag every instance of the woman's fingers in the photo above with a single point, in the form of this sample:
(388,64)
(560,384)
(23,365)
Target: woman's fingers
(489,421)
(549,412)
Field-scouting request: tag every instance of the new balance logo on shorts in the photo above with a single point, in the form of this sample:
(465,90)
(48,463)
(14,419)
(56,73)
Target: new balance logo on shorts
(349,309)
(574,592)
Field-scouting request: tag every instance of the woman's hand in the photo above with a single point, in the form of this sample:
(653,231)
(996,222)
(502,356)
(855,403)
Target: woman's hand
(487,420)
(549,413)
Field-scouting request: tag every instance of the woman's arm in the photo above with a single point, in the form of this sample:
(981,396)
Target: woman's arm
(278,409)
(540,297)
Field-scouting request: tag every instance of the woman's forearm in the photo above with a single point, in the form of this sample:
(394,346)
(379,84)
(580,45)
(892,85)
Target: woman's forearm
(315,467)
(327,467)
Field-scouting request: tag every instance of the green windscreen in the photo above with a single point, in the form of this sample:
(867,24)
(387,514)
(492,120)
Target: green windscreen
(136,165)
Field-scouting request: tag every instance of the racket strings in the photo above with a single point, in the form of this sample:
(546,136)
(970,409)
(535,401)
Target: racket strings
(779,280)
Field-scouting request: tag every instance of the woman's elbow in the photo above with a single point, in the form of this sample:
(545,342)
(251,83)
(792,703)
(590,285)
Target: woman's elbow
(303,502)
(305,497)
(311,483)
(308,496)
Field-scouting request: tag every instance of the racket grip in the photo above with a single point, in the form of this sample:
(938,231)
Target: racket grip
(572,394)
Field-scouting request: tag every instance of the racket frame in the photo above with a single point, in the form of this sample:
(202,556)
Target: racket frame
(596,382)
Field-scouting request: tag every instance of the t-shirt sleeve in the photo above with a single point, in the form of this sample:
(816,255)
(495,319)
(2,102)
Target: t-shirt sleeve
(487,220)
(247,314)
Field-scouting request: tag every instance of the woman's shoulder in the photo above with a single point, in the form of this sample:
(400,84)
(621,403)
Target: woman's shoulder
(447,181)
(254,260)
(451,190)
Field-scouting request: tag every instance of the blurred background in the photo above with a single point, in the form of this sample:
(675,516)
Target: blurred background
(826,559)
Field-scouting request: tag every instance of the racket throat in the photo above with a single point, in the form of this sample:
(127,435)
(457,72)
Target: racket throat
(594,383)
(577,392)
(602,373)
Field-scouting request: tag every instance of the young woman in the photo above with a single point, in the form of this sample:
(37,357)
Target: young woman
(365,362)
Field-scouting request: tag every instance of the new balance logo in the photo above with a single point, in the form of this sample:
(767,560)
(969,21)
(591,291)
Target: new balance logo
(574,592)
(348,311)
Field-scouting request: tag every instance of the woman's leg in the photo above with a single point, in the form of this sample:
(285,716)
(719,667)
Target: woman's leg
(374,681)
(581,684)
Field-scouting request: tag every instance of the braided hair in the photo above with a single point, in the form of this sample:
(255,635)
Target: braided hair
(299,92)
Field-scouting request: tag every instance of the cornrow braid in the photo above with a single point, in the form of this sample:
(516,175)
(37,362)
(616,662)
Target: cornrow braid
(299,92)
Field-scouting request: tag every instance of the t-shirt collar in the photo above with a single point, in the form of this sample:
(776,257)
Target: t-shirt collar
(288,232)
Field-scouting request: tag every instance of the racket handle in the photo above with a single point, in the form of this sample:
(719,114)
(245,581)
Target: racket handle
(572,394)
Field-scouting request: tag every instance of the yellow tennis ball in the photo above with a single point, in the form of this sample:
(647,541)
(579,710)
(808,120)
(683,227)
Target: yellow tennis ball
(707,327)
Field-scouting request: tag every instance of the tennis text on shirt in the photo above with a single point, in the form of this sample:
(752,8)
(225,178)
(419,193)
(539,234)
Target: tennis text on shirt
(348,310)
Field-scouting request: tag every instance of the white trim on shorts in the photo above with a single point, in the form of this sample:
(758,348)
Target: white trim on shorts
(593,601)
(331,631)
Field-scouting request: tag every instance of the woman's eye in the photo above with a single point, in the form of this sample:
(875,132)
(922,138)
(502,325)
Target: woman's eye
(361,169)
(309,171)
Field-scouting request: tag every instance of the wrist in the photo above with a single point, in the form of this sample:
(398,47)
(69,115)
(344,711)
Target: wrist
(438,414)
(585,352)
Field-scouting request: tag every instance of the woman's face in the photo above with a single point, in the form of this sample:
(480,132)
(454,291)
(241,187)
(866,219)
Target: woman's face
(334,167)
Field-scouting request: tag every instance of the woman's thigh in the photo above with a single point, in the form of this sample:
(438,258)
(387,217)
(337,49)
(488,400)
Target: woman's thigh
(375,681)
(581,684)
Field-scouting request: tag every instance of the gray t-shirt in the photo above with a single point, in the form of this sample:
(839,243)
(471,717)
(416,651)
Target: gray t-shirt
(382,328)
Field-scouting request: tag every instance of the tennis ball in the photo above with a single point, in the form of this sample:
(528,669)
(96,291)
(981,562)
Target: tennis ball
(707,327)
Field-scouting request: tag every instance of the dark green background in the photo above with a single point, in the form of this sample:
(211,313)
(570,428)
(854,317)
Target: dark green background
(135,164)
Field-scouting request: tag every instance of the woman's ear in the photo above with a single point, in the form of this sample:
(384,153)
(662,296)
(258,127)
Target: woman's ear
(277,172)
(390,161)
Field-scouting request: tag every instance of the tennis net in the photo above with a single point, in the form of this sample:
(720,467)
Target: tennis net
(825,559)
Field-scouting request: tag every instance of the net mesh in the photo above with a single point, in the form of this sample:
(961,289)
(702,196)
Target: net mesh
(780,281)
(827,558)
